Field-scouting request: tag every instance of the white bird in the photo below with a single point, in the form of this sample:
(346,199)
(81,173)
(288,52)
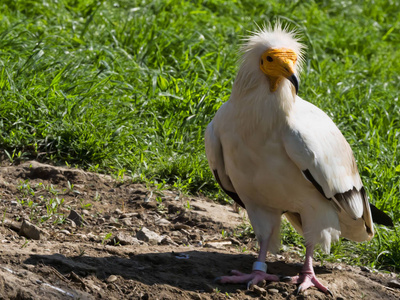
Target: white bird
(275,153)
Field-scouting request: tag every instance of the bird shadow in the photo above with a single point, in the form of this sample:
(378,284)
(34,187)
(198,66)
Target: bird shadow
(192,270)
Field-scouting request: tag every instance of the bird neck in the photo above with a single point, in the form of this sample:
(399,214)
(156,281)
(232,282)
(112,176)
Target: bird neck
(257,106)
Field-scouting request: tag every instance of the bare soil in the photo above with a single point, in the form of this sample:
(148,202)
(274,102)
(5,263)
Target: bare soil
(102,259)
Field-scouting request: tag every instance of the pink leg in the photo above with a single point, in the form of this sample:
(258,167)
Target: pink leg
(255,276)
(307,276)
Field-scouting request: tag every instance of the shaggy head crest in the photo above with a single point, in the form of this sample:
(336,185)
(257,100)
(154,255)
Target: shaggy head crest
(269,37)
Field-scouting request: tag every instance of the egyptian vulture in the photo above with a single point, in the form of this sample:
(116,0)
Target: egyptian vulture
(276,154)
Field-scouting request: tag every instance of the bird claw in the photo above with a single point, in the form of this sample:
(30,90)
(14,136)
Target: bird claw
(299,290)
(328,291)
(250,284)
(285,278)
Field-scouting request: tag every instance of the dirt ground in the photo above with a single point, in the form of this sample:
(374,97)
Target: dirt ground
(70,234)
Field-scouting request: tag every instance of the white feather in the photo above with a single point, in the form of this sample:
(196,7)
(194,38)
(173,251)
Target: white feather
(260,142)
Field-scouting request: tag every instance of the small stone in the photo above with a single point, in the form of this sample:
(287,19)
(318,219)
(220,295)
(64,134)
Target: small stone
(168,241)
(176,233)
(126,222)
(129,215)
(85,212)
(14,203)
(77,218)
(124,239)
(118,211)
(285,294)
(148,236)
(185,232)
(71,223)
(273,291)
(111,278)
(31,231)
(394,284)
(66,232)
(162,222)
(179,226)
(259,291)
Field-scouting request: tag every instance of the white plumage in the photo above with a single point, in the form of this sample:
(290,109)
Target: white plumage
(275,154)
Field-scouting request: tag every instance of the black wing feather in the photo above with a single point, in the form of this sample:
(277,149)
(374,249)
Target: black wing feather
(233,195)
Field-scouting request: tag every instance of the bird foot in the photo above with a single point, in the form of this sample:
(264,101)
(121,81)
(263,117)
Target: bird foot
(251,279)
(308,279)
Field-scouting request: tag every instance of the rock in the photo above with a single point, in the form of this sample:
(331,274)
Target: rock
(66,232)
(168,241)
(111,278)
(394,284)
(176,233)
(77,218)
(124,239)
(14,203)
(126,222)
(273,291)
(85,212)
(217,244)
(179,226)
(259,291)
(162,222)
(129,215)
(149,236)
(285,294)
(71,223)
(118,211)
(31,231)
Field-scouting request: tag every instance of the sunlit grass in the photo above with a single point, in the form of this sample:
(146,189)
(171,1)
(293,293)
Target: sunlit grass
(127,87)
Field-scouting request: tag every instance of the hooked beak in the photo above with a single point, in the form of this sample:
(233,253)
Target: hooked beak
(294,80)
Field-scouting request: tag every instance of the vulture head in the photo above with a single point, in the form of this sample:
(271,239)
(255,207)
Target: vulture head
(272,53)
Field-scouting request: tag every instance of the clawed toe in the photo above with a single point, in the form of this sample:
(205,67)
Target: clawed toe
(307,280)
(285,278)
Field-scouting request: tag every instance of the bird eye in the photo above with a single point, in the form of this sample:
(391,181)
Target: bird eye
(269,58)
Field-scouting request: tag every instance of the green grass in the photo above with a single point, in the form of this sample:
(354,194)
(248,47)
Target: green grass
(127,87)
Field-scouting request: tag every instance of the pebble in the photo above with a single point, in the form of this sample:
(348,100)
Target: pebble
(126,222)
(77,218)
(111,278)
(273,291)
(129,215)
(65,232)
(31,231)
(14,203)
(148,236)
(71,223)
(125,239)
(179,226)
(259,291)
(168,241)
(176,233)
(162,222)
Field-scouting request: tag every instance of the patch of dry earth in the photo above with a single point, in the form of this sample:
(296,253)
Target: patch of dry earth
(111,256)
